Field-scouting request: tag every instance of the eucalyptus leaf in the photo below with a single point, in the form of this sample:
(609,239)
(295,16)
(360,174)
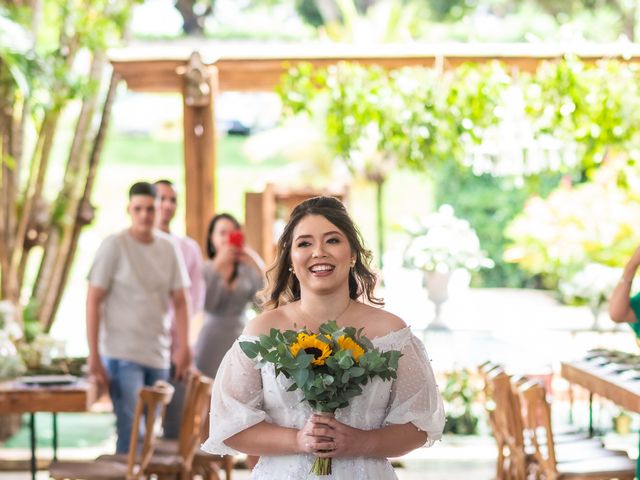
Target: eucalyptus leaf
(300,376)
(268,342)
(345,361)
(250,349)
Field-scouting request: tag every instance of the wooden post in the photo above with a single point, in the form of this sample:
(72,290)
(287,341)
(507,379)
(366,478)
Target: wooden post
(199,87)
(260,213)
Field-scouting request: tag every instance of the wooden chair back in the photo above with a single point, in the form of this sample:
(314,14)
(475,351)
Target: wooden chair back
(509,424)
(194,416)
(537,421)
(152,403)
(485,371)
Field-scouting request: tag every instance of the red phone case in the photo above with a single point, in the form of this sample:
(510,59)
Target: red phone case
(236,238)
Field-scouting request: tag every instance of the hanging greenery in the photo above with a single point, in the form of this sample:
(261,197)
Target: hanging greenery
(593,106)
(574,114)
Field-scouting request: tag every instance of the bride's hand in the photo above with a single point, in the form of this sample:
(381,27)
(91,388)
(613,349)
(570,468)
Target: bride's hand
(344,441)
(314,438)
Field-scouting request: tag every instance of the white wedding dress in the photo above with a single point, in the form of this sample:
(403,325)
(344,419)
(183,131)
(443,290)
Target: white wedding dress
(244,396)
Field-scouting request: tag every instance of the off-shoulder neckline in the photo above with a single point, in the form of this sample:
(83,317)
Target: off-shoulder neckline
(380,338)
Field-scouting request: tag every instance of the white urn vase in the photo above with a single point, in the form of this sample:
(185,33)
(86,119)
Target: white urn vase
(437,284)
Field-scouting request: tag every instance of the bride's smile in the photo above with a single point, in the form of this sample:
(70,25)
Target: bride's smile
(320,254)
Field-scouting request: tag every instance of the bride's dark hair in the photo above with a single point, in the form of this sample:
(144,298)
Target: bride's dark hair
(283,286)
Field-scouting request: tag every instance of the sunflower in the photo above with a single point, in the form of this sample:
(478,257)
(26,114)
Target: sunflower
(347,343)
(311,345)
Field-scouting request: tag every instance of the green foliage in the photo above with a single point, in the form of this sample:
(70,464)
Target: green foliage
(473,102)
(460,394)
(592,222)
(593,106)
(490,204)
(341,374)
(308,10)
(528,21)
(18,65)
(451,10)
(32,327)
(374,120)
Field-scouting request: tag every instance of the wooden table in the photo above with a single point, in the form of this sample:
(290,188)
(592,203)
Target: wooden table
(604,381)
(612,381)
(19,397)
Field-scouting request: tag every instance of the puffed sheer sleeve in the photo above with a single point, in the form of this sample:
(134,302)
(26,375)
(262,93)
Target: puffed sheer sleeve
(414,395)
(236,401)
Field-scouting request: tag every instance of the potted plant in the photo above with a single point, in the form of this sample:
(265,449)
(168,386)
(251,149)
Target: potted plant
(11,364)
(622,423)
(441,243)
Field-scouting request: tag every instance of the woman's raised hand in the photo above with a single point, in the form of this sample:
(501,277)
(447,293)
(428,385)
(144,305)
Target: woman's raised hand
(227,255)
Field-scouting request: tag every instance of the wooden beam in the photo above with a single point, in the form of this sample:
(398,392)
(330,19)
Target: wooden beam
(199,156)
(255,68)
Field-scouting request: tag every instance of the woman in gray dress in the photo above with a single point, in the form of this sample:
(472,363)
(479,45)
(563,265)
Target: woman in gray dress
(233,275)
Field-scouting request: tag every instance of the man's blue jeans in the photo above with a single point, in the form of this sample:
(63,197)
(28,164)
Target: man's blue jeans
(127,378)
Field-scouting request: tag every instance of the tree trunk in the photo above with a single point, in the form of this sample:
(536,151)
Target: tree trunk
(56,250)
(84,203)
(8,184)
(192,23)
(628,16)
(33,191)
(32,196)
(6,174)
(328,11)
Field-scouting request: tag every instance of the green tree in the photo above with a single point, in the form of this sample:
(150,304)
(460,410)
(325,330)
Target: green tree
(623,13)
(40,79)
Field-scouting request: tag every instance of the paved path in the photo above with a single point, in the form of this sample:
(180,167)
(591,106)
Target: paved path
(455,458)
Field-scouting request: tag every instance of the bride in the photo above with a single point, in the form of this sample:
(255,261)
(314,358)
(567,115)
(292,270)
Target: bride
(322,273)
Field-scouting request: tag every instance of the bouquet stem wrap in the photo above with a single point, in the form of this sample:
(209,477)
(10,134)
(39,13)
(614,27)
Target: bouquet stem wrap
(322,466)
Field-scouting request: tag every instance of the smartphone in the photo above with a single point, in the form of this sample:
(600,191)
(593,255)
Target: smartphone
(236,238)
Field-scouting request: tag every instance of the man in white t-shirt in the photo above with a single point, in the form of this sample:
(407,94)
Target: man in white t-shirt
(166,204)
(136,276)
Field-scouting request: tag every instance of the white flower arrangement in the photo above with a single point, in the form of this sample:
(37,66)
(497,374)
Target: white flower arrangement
(11,364)
(593,285)
(9,321)
(443,242)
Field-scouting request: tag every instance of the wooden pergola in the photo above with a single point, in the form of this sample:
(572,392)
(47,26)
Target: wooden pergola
(200,76)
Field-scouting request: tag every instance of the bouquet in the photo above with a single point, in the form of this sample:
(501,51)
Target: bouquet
(329,368)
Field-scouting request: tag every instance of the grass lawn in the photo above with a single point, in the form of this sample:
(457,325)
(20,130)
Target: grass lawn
(75,430)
